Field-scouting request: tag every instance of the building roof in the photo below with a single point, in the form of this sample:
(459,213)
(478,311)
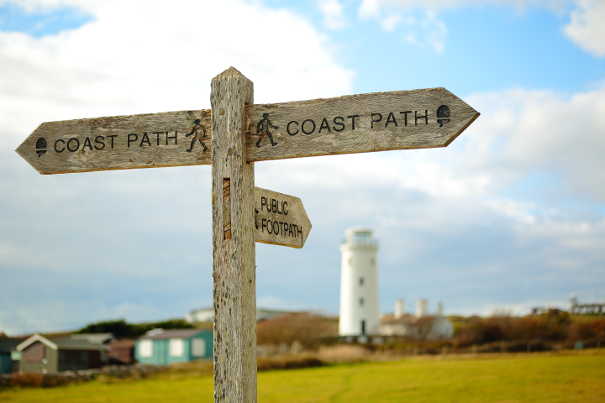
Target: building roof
(121,343)
(158,334)
(99,338)
(70,342)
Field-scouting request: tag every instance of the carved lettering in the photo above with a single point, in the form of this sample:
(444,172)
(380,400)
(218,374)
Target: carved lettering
(173,137)
(290,131)
(339,124)
(73,144)
(132,137)
(57,149)
(376,117)
(112,136)
(391,119)
(324,125)
(418,117)
(281,228)
(99,143)
(375,120)
(310,126)
(145,140)
(353,117)
(87,143)
(274,206)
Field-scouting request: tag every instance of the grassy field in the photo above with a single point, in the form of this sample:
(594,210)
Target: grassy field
(562,377)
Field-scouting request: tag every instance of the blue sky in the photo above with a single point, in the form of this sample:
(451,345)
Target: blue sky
(509,216)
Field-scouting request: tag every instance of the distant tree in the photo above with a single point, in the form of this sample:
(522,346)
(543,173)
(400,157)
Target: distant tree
(587,330)
(305,328)
(142,328)
(551,326)
(119,328)
(122,329)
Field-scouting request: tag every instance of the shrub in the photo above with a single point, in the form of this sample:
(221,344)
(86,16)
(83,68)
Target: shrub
(26,380)
(342,353)
(302,327)
(288,362)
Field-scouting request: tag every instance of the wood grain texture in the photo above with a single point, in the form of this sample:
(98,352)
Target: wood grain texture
(349,128)
(234,258)
(280,219)
(120,142)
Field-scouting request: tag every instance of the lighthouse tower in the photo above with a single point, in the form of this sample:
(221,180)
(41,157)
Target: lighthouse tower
(358,284)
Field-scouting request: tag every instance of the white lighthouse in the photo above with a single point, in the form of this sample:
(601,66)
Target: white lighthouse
(359,314)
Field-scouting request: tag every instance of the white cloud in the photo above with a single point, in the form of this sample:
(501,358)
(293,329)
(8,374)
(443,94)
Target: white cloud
(390,23)
(372,8)
(586,27)
(518,308)
(420,24)
(543,131)
(133,59)
(332,13)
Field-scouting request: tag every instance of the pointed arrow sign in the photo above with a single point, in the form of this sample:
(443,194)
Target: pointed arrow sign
(351,124)
(280,219)
(120,142)
(362,123)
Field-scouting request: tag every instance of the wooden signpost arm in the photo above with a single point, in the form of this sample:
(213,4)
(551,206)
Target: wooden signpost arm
(233,242)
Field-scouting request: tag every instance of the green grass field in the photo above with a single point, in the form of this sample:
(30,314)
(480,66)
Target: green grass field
(563,377)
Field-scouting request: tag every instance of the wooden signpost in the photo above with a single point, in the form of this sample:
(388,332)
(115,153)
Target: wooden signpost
(231,137)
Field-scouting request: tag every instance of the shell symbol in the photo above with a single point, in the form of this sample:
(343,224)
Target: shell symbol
(40,146)
(443,115)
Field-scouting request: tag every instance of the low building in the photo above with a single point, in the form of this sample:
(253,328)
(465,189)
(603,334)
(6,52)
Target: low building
(121,352)
(592,308)
(421,326)
(207,314)
(67,353)
(8,354)
(163,347)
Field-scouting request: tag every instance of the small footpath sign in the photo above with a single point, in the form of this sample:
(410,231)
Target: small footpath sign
(280,219)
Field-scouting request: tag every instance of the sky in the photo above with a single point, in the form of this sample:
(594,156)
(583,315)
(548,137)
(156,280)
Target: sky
(509,216)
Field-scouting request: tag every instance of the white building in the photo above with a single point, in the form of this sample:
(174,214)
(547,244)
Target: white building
(207,314)
(423,325)
(359,312)
(422,308)
(399,308)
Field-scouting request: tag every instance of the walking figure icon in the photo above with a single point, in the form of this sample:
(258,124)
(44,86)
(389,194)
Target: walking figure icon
(262,129)
(195,132)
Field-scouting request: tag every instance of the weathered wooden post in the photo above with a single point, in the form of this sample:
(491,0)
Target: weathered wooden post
(233,242)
